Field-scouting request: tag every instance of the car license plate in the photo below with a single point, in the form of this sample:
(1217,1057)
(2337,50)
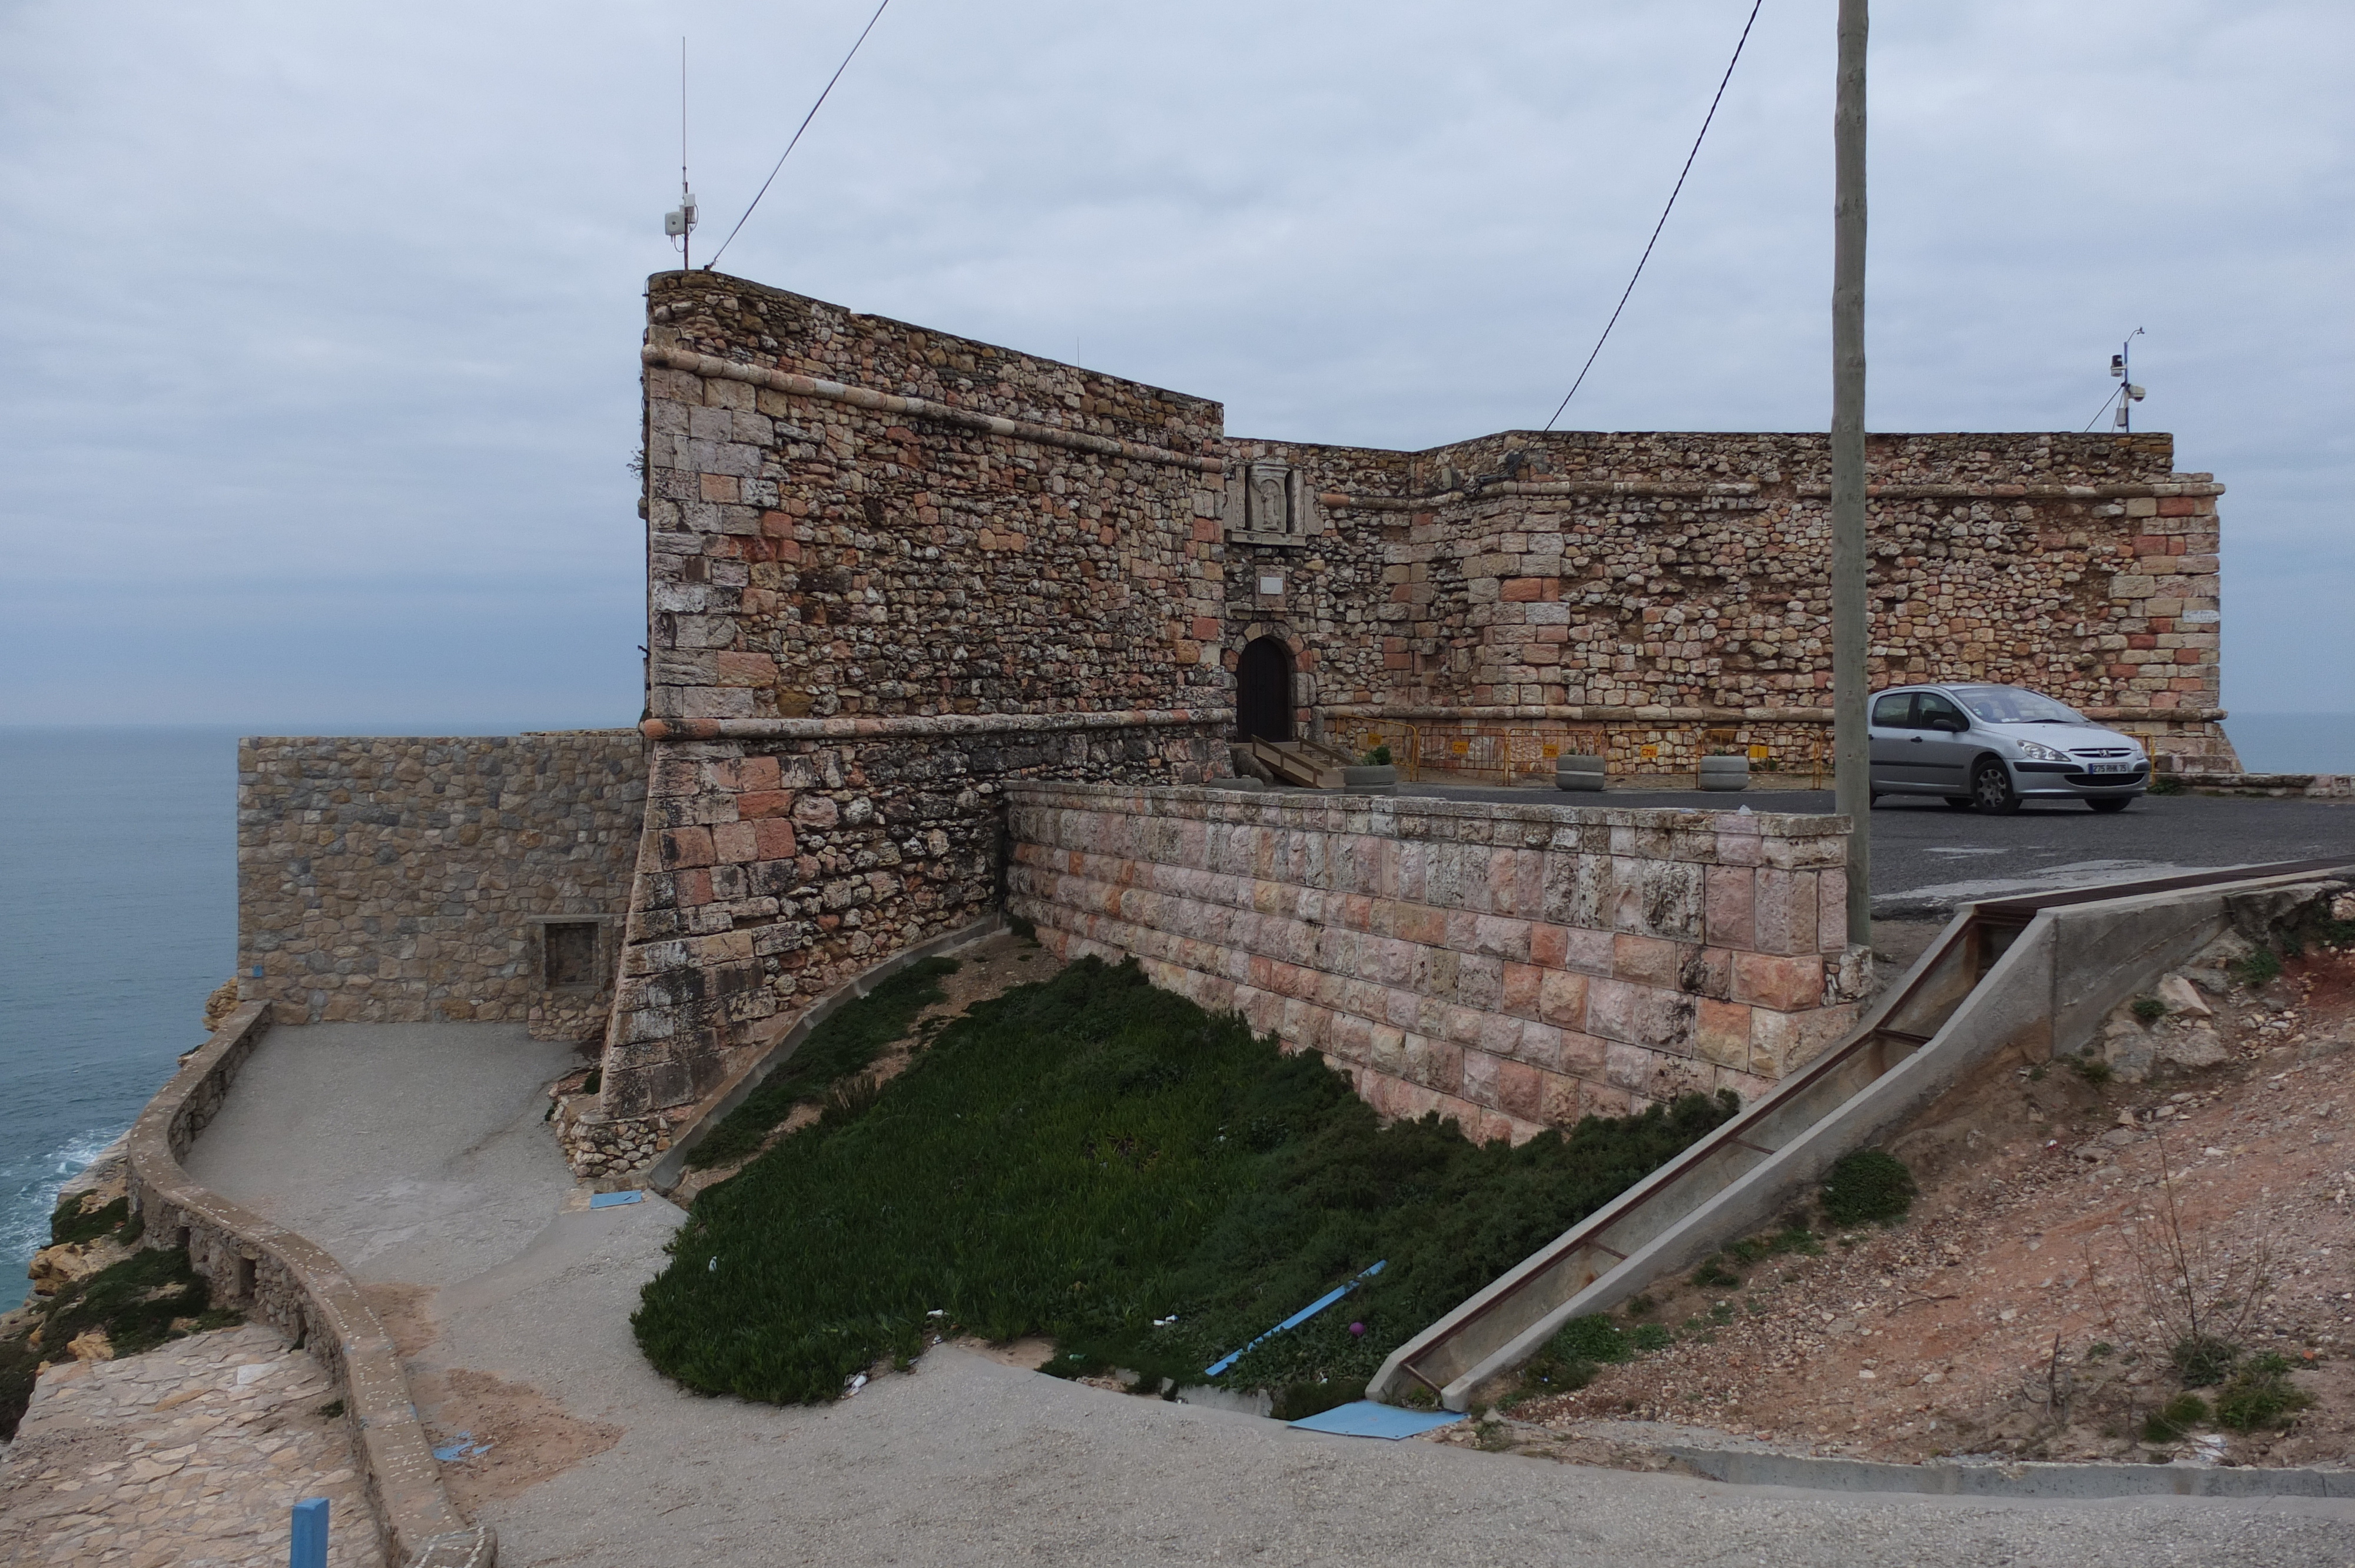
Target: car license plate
(2109,768)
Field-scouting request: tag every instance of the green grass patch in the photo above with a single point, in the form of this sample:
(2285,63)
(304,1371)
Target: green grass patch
(1866,1187)
(2150,1009)
(844,1044)
(1084,1157)
(2259,1394)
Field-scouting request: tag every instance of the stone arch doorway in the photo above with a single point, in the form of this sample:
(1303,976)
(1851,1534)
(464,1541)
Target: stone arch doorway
(1263,690)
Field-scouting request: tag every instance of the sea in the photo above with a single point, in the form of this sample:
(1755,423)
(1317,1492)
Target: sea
(118,855)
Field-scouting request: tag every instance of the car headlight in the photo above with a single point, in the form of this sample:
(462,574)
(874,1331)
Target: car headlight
(2036,751)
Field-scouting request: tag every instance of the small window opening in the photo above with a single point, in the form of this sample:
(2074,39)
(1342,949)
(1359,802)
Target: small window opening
(245,1278)
(568,953)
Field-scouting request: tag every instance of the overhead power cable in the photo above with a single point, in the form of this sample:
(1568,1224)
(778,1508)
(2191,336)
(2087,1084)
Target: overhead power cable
(797,133)
(1664,215)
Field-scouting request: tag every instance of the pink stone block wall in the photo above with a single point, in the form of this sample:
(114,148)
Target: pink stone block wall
(1513,967)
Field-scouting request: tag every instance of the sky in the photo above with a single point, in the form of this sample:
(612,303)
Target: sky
(320,343)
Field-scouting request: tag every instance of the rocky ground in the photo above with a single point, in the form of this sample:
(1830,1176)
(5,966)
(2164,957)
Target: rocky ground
(2024,1309)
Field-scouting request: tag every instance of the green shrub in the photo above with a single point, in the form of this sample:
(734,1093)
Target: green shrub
(2261,967)
(69,1223)
(1380,756)
(2092,1069)
(2259,1394)
(1866,1186)
(1088,1157)
(2150,1009)
(1649,1337)
(2203,1360)
(847,1042)
(2174,1419)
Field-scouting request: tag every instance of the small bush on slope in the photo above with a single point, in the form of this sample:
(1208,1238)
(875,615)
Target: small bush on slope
(1082,1157)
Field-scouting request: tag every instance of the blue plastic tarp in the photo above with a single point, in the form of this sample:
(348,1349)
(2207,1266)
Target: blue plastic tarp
(1368,1419)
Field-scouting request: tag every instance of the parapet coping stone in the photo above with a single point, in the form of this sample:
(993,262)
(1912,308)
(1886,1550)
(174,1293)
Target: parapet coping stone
(1231,805)
(419,1525)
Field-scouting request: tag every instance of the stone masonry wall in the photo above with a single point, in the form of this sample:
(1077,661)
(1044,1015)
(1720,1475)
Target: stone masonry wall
(405,880)
(890,572)
(1665,587)
(775,870)
(910,551)
(1511,967)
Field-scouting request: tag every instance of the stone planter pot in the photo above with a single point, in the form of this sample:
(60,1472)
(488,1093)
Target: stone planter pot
(1583,773)
(1725,773)
(1370,781)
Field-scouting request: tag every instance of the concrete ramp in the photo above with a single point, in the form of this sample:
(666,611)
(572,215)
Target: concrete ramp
(2021,973)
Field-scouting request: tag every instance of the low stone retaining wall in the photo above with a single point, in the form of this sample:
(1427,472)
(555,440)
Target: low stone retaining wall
(284,1279)
(2310,786)
(1510,966)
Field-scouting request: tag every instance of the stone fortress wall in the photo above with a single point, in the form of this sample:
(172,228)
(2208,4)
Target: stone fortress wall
(1510,967)
(892,572)
(896,575)
(399,881)
(1661,596)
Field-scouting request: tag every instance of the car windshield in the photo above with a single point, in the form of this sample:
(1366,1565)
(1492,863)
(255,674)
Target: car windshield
(2010,705)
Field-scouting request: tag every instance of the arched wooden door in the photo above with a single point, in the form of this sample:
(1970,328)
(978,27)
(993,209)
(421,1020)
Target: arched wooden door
(1264,690)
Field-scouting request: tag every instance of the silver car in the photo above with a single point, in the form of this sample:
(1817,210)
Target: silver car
(1994,746)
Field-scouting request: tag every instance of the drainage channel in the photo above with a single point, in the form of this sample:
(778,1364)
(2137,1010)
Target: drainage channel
(1499,1329)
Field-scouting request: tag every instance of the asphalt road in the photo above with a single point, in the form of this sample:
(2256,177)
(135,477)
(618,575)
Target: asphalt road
(1927,858)
(416,1153)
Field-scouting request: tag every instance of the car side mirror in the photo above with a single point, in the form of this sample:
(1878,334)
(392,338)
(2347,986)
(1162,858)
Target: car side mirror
(1953,724)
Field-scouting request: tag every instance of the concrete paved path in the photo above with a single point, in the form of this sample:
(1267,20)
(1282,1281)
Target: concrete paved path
(966,1461)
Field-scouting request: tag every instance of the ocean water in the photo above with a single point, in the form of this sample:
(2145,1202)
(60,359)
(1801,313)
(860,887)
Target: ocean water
(118,854)
(2294,743)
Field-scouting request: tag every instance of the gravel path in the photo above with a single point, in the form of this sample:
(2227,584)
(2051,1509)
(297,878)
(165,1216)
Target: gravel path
(968,1461)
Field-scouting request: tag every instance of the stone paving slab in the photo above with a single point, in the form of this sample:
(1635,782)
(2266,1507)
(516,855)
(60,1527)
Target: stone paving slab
(190,1455)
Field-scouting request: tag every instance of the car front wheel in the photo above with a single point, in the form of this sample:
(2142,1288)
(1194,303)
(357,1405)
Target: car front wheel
(1991,789)
(2120,804)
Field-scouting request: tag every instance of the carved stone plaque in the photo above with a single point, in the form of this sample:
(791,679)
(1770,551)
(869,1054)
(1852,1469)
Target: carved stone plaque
(1267,498)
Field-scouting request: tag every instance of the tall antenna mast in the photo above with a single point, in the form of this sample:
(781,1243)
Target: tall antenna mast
(680,224)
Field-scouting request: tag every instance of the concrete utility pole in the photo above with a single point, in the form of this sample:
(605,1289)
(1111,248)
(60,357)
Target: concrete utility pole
(1850,756)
